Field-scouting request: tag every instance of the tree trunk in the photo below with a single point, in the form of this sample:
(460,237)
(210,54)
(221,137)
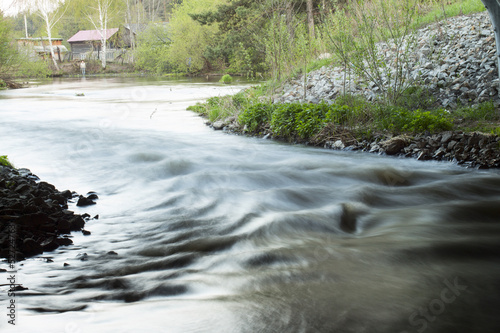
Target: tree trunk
(493,7)
(26,25)
(104,49)
(49,35)
(131,33)
(310,18)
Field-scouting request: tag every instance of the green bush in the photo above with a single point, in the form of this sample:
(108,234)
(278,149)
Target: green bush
(299,121)
(239,99)
(402,120)
(38,69)
(283,120)
(256,117)
(226,79)
(339,114)
(311,120)
(5,161)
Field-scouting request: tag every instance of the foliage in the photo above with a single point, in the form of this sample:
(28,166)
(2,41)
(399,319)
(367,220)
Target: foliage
(226,79)
(8,54)
(405,121)
(189,38)
(32,68)
(152,52)
(255,117)
(5,161)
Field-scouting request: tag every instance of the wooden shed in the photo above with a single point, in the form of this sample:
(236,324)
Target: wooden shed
(87,43)
(39,47)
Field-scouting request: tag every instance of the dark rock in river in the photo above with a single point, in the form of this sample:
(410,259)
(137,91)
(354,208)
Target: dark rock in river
(33,215)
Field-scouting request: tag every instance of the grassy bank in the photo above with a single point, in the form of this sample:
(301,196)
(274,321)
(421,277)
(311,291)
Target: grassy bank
(415,112)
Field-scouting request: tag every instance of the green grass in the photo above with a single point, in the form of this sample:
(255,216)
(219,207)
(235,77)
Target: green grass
(317,64)
(458,7)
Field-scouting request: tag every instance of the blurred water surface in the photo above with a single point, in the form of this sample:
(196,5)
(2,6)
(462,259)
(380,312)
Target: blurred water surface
(222,233)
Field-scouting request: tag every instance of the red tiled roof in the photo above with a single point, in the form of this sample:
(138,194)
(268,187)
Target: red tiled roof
(88,35)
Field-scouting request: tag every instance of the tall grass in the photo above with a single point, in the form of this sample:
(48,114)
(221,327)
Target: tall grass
(437,10)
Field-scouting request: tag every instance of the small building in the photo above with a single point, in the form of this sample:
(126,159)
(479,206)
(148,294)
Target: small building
(39,47)
(87,44)
(128,33)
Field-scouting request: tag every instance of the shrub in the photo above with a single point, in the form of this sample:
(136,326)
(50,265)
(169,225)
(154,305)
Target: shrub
(226,79)
(283,120)
(299,121)
(418,121)
(311,120)
(256,117)
(5,161)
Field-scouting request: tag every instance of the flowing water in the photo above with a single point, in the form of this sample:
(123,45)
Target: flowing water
(223,233)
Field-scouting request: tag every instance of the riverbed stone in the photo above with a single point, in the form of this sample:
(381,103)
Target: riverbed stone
(35,213)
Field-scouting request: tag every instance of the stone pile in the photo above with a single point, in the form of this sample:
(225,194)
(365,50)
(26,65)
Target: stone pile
(455,59)
(469,149)
(34,215)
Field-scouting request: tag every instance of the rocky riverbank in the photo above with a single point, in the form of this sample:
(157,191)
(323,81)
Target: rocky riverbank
(468,149)
(34,215)
(478,150)
(455,59)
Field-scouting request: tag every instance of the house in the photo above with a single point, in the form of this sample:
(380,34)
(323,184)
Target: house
(36,47)
(128,33)
(87,43)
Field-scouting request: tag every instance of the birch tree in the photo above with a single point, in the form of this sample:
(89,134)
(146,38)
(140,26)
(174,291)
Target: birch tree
(51,11)
(103,9)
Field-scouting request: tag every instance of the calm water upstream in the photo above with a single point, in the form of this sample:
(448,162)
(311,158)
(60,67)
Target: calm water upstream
(221,233)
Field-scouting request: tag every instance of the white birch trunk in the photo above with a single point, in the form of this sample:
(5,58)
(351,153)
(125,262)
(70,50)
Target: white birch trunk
(26,25)
(104,25)
(49,35)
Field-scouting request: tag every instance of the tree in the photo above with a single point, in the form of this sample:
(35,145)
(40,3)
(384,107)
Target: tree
(51,11)
(190,39)
(310,17)
(7,52)
(493,7)
(103,8)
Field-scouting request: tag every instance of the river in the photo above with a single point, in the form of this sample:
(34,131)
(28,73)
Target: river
(215,232)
